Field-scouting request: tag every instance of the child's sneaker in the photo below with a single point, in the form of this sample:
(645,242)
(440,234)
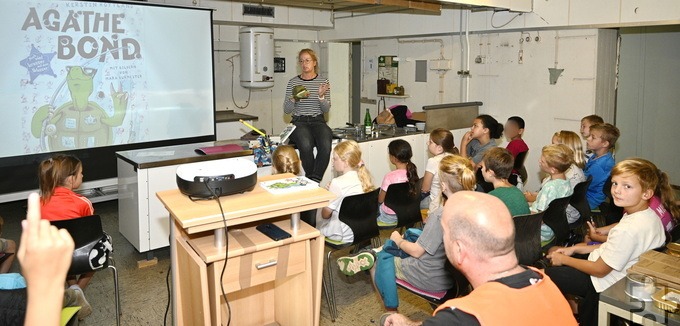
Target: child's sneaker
(85,308)
(355,263)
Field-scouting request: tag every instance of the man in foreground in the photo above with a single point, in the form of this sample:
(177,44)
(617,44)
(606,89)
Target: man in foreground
(479,238)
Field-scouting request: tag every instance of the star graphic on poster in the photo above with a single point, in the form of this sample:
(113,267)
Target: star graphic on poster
(38,63)
(90,120)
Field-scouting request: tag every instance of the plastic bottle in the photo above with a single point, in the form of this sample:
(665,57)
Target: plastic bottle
(368,122)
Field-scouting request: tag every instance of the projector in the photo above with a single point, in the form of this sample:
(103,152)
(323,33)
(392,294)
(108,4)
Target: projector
(211,179)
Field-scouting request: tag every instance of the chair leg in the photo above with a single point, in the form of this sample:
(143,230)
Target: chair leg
(116,291)
(331,295)
(326,292)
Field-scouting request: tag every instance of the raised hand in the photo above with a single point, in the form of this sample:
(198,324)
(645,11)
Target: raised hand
(323,88)
(45,255)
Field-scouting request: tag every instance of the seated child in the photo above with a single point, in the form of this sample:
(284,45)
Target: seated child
(424,265)
(400,155)
(496,166)
(555,160)
(285,160)
(354,179)
(666,208)
(514,128)
(601,142)
(588,121)
(575,172)
(58,177)
(634,183)
(480,138)
(439,145)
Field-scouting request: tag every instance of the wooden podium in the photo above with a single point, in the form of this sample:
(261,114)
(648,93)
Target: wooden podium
(267,282)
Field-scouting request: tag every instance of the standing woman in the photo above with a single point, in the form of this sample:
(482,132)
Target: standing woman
(307,108)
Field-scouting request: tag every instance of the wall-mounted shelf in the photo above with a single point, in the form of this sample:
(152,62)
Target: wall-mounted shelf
(394,96)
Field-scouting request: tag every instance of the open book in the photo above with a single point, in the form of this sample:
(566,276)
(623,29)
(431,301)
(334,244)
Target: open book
(289,185)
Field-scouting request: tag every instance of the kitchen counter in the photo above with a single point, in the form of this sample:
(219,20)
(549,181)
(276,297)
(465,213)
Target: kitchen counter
(341,133)
(178,154)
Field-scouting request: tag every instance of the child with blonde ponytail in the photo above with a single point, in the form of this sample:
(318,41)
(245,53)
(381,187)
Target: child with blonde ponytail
(353,179)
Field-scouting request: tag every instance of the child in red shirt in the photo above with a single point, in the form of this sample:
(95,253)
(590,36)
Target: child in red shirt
(59,176)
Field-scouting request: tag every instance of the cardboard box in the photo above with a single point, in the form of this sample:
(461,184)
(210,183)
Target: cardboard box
(420,116)
(663,267)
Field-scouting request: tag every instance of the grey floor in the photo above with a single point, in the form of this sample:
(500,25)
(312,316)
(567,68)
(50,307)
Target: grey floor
(144,293)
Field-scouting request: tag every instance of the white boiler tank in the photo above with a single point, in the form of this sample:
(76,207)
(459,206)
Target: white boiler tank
(257,57)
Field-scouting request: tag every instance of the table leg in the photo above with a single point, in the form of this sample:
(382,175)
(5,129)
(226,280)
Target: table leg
(603,314)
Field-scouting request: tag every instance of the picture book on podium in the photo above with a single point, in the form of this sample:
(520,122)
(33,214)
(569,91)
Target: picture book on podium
(289,185)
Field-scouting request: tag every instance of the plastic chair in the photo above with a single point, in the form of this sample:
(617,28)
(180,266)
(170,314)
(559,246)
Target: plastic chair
(519,169)
(528,238)
(608,210)
(674,235)
(405,205)
(579,201)
(481,183)
(360,213)
(555,216)
(86,232)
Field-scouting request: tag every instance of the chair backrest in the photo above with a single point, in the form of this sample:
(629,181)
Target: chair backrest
(86,232)
(675,234)
(83,230)
(404,204)
(360,213)
(520,169)
(579,201)
(486,186)
(528,238)
(555,216)
(519,160)
(610,211)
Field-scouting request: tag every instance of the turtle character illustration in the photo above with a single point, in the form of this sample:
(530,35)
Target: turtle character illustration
(80,123)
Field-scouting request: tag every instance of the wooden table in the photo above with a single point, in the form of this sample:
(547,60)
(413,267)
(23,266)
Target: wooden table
(267,282)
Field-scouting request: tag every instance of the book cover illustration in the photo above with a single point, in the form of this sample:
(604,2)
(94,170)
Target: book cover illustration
(289,185)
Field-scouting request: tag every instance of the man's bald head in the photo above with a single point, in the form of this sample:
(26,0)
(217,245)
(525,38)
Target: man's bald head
(481,220)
